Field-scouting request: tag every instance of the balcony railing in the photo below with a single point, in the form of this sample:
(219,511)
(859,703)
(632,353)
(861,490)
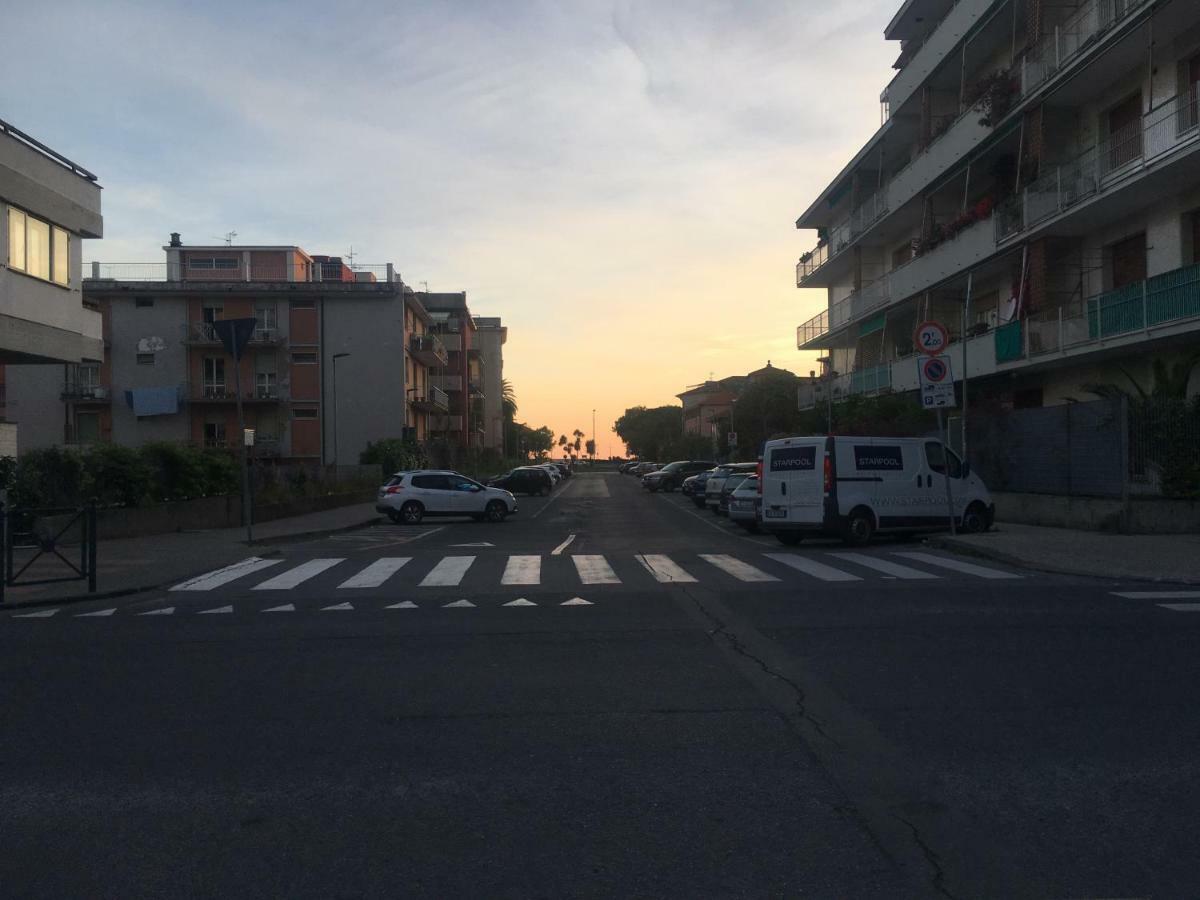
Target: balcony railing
(871,296)
(434,400)
(1074,36)
(258,271)
(205,333)
(1170,126)
(221,392)
(85,392)
(428,349)
(842,235)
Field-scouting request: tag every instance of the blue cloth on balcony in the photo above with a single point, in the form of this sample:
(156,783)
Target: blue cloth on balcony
(157,401)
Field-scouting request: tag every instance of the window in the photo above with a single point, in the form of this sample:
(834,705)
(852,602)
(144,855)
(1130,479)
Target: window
(267,322)
(143,303)
(1128,261)
(432,482)
(304,359)
(211,312)
(145,359)
(265,387)
(214,376)
(86,376)
(214,434)
(1125,131)
(304,412)
(212,262)
(38,248)
(87,428)
(304,304)
(937,455)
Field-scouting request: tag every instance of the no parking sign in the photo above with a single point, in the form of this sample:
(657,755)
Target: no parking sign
(937,382)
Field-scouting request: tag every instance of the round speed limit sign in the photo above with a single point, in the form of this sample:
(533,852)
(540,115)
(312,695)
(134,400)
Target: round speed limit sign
(931,338)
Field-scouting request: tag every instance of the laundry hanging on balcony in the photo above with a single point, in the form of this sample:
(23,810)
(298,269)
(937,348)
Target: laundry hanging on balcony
(157,401)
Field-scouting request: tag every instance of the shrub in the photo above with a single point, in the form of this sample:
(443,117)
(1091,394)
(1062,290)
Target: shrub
(115,475)
(177,471)
(394,455)
(49,477)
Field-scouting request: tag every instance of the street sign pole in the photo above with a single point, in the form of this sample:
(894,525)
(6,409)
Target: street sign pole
(946,470)
(235,334)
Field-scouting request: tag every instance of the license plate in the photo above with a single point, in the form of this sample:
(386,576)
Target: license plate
(776,513)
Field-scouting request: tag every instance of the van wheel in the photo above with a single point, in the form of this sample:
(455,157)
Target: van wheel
(859,528)
(789,538)
(412,512)
(974,520)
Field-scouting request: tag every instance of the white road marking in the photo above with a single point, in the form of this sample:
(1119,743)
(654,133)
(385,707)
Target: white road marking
(882,565)
(476,544)
(40,614)
(292,577)
(522,570)
(459,604)
(216,611)
(1181,607)
(165,611)
(1158,595)
(733,566)
(337,607)
(557,551)
(403,604)
(520,602)
(99,612)
(287,607)
(449,572)
(576,601)
(664,570)
(955,565)
(594,569)
(812,567)
(215,579)
(377,572)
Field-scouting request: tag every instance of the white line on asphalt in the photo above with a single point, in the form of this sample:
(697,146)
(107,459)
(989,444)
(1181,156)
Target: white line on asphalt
(1181,607)
(377,572)
(337,607)
(215,579)
(40,614)
(955,564)
(287,607)
(664,569)
(521,601)
(882,565)
(403,540)
(812,567)
(1158,595)
(216,611)
(594,569)
(557,551)
(550,501)
(733,566)
(99,612)
(459,604)
(522,570)
(715,525)
(301,573)
(449,572)
(576,601)
(403,604)
(165,611)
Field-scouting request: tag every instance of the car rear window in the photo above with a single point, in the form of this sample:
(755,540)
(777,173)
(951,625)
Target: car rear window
(431,482)
(395,479)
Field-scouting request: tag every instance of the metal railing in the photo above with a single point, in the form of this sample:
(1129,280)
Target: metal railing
(439,398)
(843,234)
(85,391)
(33,541)
(1171,125)
(257,272)
(205,333)
(1072,37)
(429,346)
(869,297)
(218,392)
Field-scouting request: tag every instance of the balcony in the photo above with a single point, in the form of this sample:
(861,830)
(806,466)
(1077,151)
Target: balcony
(868,381)
(450,383)
(259,271)
(841,236)
(428,349)
(434,400)
(1172,126)
(85,392)
(446,423)
(269,445)
(1081,32)
(871,296)
(201,333)
(475,388)
(220,392)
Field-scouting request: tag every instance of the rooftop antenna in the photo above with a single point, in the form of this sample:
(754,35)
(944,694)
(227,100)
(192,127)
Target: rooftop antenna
(350,256)
(426,283)
(228,238)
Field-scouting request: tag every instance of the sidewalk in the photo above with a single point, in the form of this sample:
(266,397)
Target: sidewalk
(1142,557)
(129,565)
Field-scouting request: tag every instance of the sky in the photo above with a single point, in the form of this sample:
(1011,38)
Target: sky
(619,181)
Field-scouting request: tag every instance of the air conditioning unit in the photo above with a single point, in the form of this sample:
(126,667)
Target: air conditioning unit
(100,393)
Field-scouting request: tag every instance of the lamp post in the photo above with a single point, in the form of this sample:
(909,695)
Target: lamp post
(593,437)
(333,385)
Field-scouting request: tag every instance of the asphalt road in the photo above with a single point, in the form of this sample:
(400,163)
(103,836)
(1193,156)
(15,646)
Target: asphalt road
(612,693)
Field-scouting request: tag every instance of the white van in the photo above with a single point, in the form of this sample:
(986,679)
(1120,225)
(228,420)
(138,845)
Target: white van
(852,487)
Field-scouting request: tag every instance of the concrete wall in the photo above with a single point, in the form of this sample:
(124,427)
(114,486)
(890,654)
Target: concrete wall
(1138,516)
(34,404)
(129,325)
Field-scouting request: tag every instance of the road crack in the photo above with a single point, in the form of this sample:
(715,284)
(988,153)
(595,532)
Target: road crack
(931,857)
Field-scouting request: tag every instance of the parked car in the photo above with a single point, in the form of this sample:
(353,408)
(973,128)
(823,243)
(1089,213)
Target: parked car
(744,503)
(694,487)
(532,480)
(852,487)
(716,481)
(670,476)
(563,469)
(552,471)
(626,467)
(410,496)
(643,468)
(732,482)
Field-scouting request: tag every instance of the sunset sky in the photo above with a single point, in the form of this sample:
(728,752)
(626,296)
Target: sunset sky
(618,181)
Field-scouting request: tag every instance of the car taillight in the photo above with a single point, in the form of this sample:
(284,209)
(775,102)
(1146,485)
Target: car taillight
(394,488)
(828,474)
(758,470)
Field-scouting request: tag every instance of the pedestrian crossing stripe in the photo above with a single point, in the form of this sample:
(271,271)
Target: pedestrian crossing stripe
(595,569)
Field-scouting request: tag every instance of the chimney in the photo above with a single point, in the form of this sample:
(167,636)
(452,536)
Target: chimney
(175,241)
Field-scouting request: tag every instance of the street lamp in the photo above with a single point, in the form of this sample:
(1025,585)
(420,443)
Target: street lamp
(335,358)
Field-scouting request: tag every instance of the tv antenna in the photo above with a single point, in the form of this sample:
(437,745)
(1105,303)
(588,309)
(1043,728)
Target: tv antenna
(350,256)
(228,237)
(426,283)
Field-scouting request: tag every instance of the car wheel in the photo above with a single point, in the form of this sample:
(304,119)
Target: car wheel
(859,528)
(789,538)
(496,511)
(974,520)
(544,491)
(412,512)
(394,516)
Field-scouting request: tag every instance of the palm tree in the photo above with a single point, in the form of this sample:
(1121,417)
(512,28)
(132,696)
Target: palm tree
(508,400)
(578,435)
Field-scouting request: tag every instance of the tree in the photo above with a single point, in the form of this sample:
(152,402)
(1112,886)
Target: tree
(508,400)
(649,433)
(591,448)
(767,408)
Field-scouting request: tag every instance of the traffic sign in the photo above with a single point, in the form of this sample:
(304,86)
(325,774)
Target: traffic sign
(937,382)
(733,439)
(931,338)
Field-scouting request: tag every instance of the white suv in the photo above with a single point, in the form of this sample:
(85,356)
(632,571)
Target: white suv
(410,496)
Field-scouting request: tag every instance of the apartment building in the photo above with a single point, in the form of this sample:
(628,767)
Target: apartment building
(327,368)
(461,377)
(710,405)
(1035,186)
(424,354)
(490,337)
(48,206)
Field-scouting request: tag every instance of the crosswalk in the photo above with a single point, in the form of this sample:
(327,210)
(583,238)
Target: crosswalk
(589,570)
(1181,601)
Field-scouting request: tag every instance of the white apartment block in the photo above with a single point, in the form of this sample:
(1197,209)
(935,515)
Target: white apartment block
(1053,227)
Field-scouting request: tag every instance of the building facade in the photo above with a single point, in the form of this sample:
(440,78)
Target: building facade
(325,371)
(490,337)
(1035,187)
(461,378)
(48,206)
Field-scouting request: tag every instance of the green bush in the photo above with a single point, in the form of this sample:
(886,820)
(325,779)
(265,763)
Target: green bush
(394,455)
(49,477)
(220,473)
(177,470)
(115,475)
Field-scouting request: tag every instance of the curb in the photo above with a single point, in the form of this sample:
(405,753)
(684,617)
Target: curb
(307,535)
(954,545)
